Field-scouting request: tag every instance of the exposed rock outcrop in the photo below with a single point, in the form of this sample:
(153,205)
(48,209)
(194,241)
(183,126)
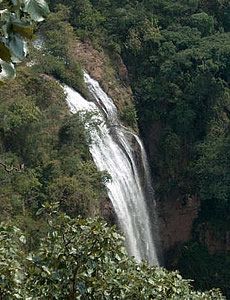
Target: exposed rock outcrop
(176,219)
(109,71)
(215,241)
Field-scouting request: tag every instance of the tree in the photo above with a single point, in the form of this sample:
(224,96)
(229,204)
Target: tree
(11,256)
(203,22)
(18,20)
(83,259)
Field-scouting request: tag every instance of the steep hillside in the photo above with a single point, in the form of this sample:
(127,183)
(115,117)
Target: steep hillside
(177,55)
(44,149)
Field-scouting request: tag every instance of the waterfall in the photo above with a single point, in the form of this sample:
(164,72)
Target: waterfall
(112,151)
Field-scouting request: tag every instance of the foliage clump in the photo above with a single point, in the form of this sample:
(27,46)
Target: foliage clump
(18,19)
(83,259)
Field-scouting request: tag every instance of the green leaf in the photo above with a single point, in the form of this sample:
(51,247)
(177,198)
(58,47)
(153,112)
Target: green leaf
(40,211)
(5,17)
(4,52)
(7,71)
(38,9)
(17,46)
(24,30)
(22,239)
(14,2)
(46,270)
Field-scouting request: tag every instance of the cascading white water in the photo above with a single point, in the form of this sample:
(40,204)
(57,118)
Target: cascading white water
(112,151)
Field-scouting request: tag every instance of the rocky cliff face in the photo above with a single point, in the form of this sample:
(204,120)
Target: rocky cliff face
(108,69)
(177,213)
(176,219)
(214,240)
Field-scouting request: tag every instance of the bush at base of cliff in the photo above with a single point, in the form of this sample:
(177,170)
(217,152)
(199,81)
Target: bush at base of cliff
(207,270)
(82,259)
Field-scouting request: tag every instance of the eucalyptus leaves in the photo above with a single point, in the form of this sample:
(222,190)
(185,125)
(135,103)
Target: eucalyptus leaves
(17,21)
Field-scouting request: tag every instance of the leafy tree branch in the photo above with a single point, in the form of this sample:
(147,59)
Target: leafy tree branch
(18,19)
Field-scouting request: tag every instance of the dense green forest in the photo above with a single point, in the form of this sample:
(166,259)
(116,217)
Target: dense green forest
(177,54)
